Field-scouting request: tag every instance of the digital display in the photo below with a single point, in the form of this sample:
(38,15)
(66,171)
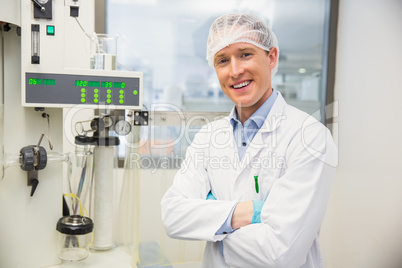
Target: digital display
(93,84)
(83,89)
(119,85)
(80,83)
(106,84)
(35,81)
(49,82)
(83,83)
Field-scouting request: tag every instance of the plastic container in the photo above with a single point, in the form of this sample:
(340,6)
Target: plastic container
(75,236)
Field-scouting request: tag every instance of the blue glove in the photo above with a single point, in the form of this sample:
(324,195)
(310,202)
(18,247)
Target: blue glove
(210,196)
(257,207)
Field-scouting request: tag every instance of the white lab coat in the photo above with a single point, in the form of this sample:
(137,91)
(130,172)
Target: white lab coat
(294,157)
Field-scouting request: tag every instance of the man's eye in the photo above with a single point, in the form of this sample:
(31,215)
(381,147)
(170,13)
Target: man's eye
(245,55)
(221,61)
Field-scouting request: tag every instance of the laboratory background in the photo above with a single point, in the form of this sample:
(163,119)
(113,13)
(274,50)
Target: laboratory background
(99,100)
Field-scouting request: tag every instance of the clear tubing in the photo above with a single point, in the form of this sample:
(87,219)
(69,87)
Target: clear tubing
(15,159)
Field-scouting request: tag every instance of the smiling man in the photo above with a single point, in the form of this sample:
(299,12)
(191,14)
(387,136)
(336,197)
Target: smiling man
(263,206)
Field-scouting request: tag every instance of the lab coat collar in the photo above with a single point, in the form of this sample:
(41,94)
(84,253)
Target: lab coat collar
(272,123)
(274,118)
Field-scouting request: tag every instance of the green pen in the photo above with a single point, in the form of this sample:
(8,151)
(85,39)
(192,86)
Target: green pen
(257,189)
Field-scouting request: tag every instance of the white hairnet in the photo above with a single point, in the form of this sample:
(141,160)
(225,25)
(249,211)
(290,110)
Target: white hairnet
(239,28)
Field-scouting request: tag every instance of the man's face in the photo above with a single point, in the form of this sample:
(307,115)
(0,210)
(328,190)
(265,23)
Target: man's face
(244,73)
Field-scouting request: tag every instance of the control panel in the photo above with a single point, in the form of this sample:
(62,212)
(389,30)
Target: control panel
(86,88)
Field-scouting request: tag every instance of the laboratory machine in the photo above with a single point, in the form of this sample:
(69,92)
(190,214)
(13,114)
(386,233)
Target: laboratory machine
(63,111)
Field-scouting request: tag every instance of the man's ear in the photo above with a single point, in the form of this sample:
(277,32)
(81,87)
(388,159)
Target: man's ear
(273,57)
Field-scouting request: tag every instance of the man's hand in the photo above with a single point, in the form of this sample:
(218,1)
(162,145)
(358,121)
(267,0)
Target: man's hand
(242,214)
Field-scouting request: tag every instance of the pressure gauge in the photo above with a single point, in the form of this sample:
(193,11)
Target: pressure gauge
(122,127)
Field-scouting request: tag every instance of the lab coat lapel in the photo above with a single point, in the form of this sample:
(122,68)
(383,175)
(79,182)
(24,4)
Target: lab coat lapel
(261,140)
(224,143)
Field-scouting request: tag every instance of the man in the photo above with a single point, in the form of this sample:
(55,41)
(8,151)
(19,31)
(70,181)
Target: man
(256,183)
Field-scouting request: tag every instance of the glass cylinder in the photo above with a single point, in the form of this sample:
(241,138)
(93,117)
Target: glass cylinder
(103,52)
(75,237)
(79,175)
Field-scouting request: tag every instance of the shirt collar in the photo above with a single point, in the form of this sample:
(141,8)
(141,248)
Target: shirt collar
(260,115)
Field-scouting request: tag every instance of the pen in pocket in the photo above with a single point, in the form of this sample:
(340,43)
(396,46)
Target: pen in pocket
(257,189)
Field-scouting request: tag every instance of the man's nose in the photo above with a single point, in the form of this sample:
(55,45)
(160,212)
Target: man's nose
(236,68)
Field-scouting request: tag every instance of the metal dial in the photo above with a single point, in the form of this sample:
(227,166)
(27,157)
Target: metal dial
(122,127)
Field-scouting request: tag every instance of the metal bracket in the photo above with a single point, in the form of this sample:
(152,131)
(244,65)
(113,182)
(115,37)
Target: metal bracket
(141,118)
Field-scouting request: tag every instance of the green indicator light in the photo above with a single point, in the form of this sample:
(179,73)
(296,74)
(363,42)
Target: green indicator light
(135,92)
(83,95)
(121,96)
(121,101)
(109,91)
(96,100)
(108,101)
(121,91)
(109,96)
(83,100)
(49,29)
(96,95)
(83,90)
(96,90)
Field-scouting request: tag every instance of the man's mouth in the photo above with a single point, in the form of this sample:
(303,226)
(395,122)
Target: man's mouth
(241,85)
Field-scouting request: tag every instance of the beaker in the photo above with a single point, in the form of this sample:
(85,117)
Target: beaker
(79,175)
(75,236)
(103,51)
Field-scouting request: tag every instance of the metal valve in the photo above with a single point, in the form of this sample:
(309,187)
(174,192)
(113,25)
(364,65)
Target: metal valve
(32,159)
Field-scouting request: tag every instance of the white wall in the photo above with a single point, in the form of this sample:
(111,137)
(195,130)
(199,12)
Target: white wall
(364,218)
